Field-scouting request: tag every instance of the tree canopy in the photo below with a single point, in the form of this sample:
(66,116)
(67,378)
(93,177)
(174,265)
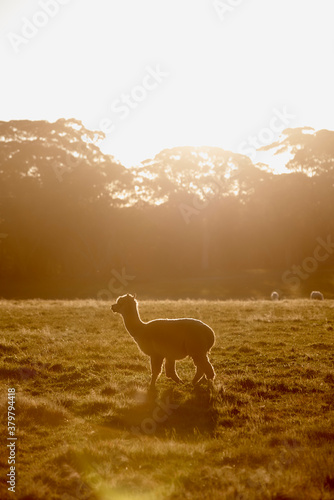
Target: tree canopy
(71,214)
(312,152)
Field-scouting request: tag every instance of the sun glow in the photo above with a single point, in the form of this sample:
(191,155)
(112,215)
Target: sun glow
(109,65)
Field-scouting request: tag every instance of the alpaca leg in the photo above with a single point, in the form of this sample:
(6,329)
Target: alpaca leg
(171,371)
(203,367)
(199,370)
(208,369)
(156,364)
(198,375)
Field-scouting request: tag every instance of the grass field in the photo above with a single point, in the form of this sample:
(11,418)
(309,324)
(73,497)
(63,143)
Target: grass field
(87,428)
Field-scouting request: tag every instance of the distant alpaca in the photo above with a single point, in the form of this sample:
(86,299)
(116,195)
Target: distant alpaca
(274,296)
(315,295)
(169,339)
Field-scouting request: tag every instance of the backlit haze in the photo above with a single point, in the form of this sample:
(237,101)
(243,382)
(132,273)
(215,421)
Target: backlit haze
(155,74)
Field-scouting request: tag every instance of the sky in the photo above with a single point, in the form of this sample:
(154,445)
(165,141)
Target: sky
(156,74)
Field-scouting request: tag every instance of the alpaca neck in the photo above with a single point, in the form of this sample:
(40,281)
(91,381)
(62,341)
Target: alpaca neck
(132,321)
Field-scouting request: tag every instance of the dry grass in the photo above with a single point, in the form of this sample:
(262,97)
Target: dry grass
(88,429)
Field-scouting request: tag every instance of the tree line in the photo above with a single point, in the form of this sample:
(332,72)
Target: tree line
(73,216)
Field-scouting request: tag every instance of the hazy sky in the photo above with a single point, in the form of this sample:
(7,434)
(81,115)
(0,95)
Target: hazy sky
(156,74)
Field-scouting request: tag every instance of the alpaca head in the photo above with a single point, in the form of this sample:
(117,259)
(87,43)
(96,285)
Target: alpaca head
(124,304)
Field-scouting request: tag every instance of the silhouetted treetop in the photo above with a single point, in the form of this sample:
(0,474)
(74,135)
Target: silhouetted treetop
(62,158)
(203,172)
(312,152)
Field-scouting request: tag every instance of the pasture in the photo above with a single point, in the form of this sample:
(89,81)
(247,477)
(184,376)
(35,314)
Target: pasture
(87,427)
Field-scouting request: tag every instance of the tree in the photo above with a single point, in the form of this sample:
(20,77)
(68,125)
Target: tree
(312,152)
(201,172)
(55,183)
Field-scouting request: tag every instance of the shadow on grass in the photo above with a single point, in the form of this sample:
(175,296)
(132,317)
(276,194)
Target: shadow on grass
(180,412)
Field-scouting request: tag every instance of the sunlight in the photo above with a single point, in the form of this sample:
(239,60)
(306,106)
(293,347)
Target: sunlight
(197,96)
(142,147)
(147,175)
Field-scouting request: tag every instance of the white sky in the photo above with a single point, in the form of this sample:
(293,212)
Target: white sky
(227,73)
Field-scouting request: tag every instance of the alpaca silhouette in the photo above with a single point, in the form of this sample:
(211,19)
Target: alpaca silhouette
(169,339)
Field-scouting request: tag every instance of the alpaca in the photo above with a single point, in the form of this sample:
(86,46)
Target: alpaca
(315,295)
(169,339)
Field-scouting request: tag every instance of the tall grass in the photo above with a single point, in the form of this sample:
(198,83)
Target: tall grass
(88,428)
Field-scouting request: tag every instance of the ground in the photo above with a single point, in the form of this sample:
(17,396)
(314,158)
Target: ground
(87,427)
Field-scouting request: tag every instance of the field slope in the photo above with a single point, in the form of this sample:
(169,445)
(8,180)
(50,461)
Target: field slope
(87,428)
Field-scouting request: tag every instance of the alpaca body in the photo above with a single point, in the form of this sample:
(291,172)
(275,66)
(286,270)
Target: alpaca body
(169,339)
(173,338)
